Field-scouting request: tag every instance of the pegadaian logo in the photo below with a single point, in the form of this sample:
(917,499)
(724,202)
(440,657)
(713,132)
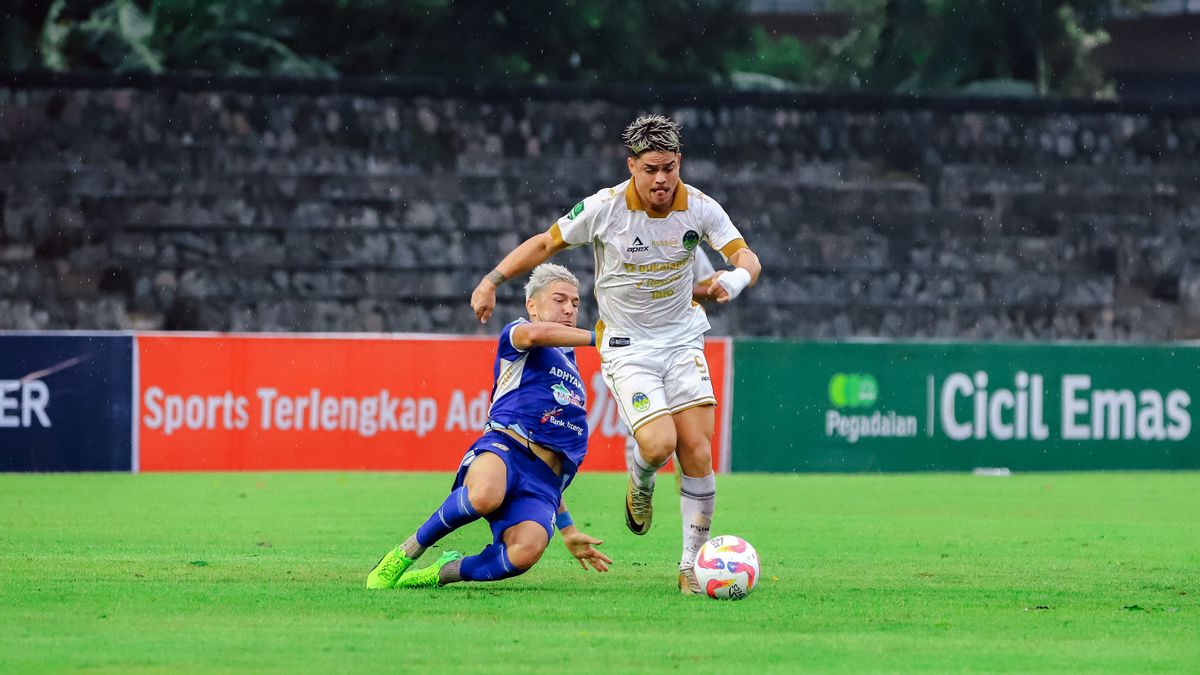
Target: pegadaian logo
(854,390)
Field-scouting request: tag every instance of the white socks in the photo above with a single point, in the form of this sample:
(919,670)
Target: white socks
(696,499)
(642,471)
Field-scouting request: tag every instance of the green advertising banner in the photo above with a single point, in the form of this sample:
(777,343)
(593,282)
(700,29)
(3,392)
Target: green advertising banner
(849,407)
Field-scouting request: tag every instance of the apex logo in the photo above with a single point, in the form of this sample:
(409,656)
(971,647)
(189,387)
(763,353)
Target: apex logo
(638,246)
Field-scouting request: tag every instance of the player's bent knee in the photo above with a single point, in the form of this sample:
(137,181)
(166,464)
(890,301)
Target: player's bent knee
(696,451)
(525,543)
(485,497)
(695,464)
(657,440)
(486,483)
(524,556)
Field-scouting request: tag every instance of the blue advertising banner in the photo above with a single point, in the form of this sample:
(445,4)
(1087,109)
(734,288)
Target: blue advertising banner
(66,402)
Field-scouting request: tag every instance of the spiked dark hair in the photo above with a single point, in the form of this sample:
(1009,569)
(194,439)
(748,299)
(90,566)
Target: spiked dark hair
(651,133)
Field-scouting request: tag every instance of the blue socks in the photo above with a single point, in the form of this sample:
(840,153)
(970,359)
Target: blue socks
(455,512)
(490,564)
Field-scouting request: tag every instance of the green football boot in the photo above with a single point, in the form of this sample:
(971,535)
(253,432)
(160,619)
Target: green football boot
(427,577)
(389,569)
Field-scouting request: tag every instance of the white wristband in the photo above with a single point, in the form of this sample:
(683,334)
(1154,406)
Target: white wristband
(734,282)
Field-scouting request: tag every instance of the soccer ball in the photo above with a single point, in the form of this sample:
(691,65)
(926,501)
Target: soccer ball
(727,568)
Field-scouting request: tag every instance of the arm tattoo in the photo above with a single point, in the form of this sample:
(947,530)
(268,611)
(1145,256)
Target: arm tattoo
(496,277)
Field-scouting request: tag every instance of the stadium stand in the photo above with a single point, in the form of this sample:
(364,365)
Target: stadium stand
(270,205)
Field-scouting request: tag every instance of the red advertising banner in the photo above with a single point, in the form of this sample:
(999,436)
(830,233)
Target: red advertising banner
(247,402)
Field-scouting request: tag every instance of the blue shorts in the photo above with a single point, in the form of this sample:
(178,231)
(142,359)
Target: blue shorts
(532,491)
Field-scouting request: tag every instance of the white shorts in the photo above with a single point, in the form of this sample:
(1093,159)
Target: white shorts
(649,383)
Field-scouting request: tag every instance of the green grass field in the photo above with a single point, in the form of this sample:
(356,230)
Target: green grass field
(265,572)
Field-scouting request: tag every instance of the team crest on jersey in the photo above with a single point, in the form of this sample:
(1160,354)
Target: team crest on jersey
(638,246)
(641,402)
(575,211)
(690,239)
(565,396)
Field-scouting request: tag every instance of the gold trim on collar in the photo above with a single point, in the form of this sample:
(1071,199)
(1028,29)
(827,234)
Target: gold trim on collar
(678,203)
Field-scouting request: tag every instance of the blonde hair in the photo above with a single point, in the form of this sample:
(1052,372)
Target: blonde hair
(545,274)
(651,132)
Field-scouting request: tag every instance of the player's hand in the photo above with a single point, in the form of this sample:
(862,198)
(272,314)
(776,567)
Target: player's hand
(701,292)
(717,291)
(483,300)
(580,546)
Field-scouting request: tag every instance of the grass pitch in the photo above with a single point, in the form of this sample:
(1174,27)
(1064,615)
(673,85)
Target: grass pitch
(265,572)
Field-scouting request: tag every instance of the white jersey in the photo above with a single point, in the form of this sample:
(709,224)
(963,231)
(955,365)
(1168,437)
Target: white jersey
(645,266)
(703,268)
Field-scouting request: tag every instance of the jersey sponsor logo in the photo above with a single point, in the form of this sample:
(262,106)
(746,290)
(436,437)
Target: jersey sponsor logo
(633,268)
(638,246)
(657,283)
(551,413)
(619,342)
(565,396)
(575,211)
(641,402)
(665,242)
(500,446)
(569,377)
(560,422)
(690,239)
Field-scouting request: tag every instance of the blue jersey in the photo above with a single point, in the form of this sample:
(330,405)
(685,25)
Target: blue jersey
(539,394)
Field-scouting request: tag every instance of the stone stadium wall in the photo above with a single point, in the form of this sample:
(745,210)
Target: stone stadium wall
(366,205)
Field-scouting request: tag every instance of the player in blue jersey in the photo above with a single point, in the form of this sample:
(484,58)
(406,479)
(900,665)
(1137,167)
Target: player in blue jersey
(514,475)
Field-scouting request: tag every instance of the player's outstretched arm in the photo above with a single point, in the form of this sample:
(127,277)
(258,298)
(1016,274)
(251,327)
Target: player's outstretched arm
(550,334)
(532,252)
(581,545)
(727,285)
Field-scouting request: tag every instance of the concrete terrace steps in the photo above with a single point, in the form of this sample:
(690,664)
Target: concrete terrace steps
(833,321)
(170,181)
(936,288)
(1154,179)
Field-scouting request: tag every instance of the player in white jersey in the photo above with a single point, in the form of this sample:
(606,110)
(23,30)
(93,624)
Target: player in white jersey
(703,272)
(644,232)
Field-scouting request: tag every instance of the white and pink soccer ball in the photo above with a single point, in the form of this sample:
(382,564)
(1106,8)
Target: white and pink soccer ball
(727,568)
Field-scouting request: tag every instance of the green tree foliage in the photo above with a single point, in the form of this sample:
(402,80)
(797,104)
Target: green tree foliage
(663,41)
(1030,46)
(567,40)
(784,58)
(944,45)
(172,35)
